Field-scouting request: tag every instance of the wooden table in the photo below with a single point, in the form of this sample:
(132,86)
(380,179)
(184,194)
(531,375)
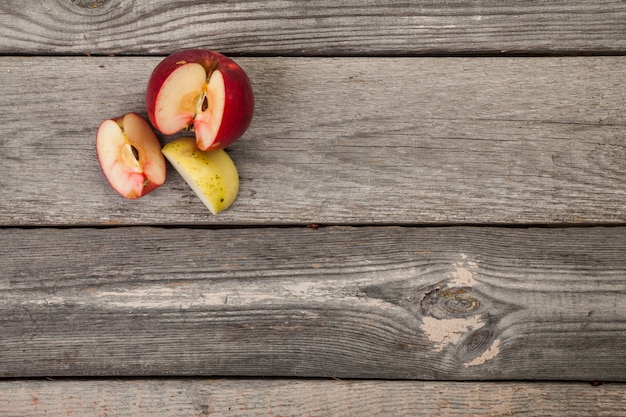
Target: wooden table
(431,192)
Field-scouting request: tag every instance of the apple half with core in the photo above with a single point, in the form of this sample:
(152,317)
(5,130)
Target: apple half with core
(212,175)
(130,155)
(200,91)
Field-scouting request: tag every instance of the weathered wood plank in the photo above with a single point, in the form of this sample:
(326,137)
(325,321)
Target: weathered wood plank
(249,397)
(373,302)
(320,27)
(338,141)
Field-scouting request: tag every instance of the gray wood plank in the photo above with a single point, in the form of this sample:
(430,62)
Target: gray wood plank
(338,141)
(371,302)
(319,27)
(246,397)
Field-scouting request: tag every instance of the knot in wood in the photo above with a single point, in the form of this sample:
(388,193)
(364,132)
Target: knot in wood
(89,4)
(449,302)
(477,340)
(475,344)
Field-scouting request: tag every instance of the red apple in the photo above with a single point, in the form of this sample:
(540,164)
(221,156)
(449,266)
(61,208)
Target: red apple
(130,155)
(200,91)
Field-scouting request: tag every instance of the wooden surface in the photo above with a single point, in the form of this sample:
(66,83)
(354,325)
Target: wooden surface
(417,303)
(339,141)
(465,160)
(320,27)
(253,397)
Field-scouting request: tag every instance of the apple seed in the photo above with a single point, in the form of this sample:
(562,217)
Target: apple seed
(135,152)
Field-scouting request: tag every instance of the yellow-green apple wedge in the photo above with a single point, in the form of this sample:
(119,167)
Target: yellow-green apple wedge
(201,91)
(212,175)
(130,155)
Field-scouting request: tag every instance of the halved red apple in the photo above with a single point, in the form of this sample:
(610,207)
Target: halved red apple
(130,155)
(201,91)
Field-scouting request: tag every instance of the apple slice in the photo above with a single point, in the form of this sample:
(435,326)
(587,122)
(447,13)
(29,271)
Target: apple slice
(212,175)
(200,91)
(130,155)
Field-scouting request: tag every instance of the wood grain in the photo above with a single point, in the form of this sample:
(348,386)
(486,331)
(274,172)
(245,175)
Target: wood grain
(250,397)
(372,302)
(319,27)
(338,141)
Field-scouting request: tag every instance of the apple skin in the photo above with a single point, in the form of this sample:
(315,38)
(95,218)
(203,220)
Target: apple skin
(212,175)
(130,155)
(238,106)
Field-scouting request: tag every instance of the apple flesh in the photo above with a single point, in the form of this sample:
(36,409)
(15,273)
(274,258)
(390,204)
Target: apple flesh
(212,175)
(130,155)
(200,91)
